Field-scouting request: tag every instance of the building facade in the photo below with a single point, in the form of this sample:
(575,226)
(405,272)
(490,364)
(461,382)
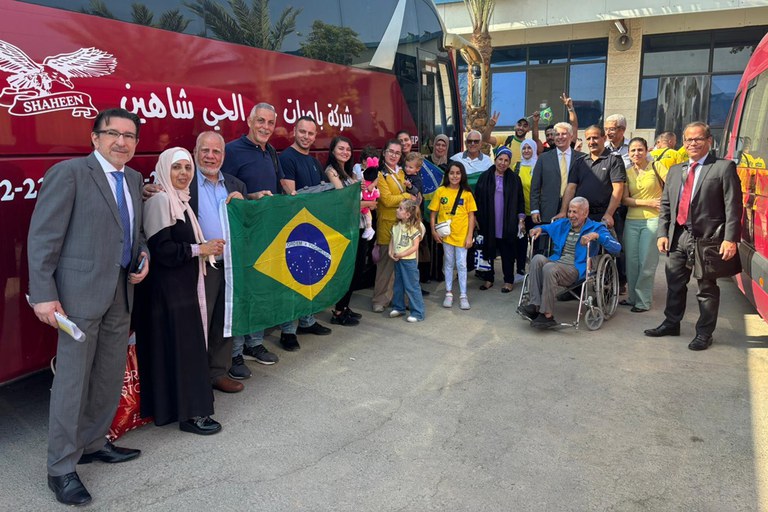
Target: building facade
(658,63)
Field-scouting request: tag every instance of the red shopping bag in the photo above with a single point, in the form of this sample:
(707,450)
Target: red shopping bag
(128,415)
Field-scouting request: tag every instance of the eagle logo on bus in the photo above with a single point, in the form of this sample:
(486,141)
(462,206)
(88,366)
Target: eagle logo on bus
(37,88)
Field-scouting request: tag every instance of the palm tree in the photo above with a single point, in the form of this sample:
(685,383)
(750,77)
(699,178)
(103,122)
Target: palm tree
(250,26)
(480,12)
(142,15)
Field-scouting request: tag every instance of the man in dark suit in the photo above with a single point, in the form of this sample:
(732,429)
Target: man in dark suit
(85,247)
(702,199)
(209,187)
(550,176)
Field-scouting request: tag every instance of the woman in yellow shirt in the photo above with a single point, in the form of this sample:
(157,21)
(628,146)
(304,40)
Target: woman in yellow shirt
(642,196)
(393,192)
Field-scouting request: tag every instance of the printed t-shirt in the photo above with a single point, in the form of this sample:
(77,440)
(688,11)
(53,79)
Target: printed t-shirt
(403,239)
(442,203)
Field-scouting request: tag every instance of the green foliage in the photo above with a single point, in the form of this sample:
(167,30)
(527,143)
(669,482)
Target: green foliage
(171,20)
(330,43)
(250,26)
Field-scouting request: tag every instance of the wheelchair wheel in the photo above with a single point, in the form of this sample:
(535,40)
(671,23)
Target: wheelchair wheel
(594,318)
(607,285)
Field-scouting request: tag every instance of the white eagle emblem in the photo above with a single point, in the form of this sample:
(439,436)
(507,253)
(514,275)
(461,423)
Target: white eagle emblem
(28,74)
(33,87)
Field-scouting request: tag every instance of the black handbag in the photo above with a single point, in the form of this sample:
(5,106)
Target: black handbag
(708,263)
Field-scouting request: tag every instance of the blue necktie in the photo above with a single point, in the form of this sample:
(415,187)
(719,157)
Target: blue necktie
(124,218)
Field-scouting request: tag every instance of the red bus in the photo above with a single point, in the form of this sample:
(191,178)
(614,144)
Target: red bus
(745,141)
(361,69)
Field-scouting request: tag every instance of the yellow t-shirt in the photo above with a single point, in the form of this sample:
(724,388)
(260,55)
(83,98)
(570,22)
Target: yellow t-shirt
(403,239)
(526,175)
(748,160)
(646,186)
(442,203)
(671,157)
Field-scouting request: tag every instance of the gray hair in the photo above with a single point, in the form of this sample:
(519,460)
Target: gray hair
(567,126)
(474,132)
(619,119)
(209,133)
(259,106)
(581,202)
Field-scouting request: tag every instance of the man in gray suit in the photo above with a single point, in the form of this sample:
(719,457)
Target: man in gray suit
(86,253)
(701,200)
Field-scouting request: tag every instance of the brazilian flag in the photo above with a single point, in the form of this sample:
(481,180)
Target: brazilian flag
(287,256)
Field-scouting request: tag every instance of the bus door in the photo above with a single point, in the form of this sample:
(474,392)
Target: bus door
(437,109)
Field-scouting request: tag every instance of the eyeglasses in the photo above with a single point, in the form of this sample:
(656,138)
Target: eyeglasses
(473,141)
(394,153)
(695,140)
(114,134)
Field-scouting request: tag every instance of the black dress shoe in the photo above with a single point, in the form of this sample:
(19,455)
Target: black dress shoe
(700,342)
(289,342)
(663,330)
(201,425)
(69,489)
(315,328)
(111,454)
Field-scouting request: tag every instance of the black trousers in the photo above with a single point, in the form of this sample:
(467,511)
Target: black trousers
(219,347)
(521,251)
(362,248)
(507,249)
(678,275)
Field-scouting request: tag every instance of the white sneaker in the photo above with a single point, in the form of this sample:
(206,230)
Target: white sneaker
(412,319)
(519,278)
(378,308)
(395,313)
(463,303)
(368,233)
(448,302)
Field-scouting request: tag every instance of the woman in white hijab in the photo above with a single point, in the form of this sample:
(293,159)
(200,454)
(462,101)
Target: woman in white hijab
(524,169)
(171,337)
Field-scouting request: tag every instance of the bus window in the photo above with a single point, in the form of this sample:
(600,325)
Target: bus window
(449,102)
(751,147)
(729,126)
(753,133)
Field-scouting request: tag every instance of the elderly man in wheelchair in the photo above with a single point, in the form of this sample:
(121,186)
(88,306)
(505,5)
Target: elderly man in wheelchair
(571,239)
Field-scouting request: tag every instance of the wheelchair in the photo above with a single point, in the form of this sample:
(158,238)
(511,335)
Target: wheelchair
(597,292)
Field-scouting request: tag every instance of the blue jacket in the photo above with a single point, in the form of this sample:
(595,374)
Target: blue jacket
(558,231)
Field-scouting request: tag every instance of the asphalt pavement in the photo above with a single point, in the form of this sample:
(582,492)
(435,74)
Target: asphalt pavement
(466,411)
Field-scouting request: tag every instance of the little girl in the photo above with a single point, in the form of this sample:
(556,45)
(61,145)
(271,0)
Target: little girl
(403,248)
(369,193)
(454,201)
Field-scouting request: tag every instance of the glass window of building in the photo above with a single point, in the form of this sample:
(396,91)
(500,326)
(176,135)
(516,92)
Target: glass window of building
(692,77)
(526,79)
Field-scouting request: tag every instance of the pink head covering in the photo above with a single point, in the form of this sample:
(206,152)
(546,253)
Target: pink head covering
(165,208)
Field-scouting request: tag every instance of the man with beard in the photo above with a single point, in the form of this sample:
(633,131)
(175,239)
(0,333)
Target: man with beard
(303,170)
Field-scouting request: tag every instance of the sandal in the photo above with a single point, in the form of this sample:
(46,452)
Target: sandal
(486,286)
(506,288)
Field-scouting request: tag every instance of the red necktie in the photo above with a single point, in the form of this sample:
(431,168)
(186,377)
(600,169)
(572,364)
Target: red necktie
(685,197)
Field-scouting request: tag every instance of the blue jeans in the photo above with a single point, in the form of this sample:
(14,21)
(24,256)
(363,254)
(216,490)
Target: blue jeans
(257,338)
(407,283)
(306,321)
(642,256)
